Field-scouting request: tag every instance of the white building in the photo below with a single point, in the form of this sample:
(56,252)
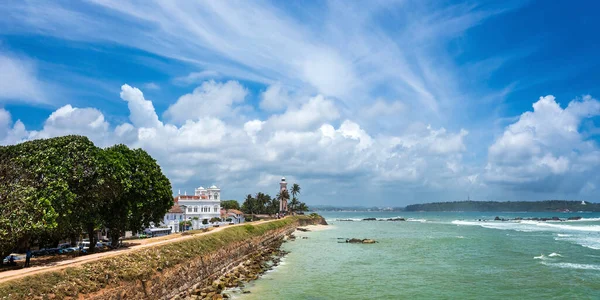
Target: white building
(232,216)
(204,205)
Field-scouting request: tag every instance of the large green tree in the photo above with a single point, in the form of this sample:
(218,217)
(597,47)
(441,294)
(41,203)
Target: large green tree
(52,189)
(230,204)
(59,175)
(139,193)
(22,214)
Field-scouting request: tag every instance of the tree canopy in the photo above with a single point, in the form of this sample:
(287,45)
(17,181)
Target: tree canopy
(230,204)
(53,189)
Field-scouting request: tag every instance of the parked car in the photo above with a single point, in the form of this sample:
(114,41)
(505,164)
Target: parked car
(15,256)
(84,245)
(38,253)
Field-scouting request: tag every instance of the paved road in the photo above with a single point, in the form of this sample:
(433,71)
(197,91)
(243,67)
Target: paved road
(58,265)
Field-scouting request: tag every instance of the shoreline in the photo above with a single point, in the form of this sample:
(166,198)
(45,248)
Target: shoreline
(318,227)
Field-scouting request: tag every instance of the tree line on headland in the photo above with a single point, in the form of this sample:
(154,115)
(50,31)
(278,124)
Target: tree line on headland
(514,206)
(56,189)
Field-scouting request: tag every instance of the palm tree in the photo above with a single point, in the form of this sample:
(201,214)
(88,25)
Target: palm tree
(295,189)
(262,201)
(294,204)
(283,195)
(249,205)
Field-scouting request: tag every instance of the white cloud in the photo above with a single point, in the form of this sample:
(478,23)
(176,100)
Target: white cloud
(275,98)
(545,150)
(252,128)
(10,133)
(316,111)
(151,86)
(18,81)
(71,120)
(210,99)
(300,142)
(142,111)
(382,108)
(195,77)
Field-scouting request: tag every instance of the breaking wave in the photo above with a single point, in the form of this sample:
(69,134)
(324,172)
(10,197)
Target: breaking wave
(416,220)
(585,235)
(573,266)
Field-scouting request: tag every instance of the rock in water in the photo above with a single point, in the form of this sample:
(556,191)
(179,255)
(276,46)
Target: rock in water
(359,241)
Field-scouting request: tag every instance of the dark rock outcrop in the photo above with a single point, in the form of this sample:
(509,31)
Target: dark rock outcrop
(359,241)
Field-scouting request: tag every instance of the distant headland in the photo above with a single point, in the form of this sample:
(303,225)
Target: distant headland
(508,206)
(481,206)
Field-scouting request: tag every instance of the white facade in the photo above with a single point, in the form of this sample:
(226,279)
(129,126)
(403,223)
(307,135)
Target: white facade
(173,217)
(205,204)
(232,216)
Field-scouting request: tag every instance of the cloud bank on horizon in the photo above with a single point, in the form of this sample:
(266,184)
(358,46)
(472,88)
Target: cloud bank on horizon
(386,103)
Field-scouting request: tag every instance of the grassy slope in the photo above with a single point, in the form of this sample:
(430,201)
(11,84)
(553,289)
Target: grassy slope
(141,264)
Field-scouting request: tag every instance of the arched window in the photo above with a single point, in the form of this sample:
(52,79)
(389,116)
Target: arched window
(216,208)
(216,196)
(195,208)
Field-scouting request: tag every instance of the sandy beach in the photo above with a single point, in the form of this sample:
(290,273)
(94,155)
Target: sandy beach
(316,227)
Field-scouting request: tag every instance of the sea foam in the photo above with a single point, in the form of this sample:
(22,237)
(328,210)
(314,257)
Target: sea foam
(416,220)
(573,266)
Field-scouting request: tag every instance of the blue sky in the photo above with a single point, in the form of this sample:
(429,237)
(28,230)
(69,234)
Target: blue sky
(379,103)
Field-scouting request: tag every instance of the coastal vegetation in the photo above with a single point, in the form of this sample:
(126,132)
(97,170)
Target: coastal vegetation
(137,265)
(514,206)
(262,203)
(56,189)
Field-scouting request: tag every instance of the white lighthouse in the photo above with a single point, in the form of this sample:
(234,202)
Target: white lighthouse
(282,201)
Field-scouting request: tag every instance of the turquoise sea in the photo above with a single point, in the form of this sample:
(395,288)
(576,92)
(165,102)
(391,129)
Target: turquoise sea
(440,255)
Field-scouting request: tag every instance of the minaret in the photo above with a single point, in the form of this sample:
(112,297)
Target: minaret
(282,201)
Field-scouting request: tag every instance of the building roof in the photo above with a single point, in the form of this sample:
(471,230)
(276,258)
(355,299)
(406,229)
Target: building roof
(192,197)
(187,197)
(213,187)
(235,211)
(176,209)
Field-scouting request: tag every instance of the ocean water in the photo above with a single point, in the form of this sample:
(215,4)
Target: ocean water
(440,256)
